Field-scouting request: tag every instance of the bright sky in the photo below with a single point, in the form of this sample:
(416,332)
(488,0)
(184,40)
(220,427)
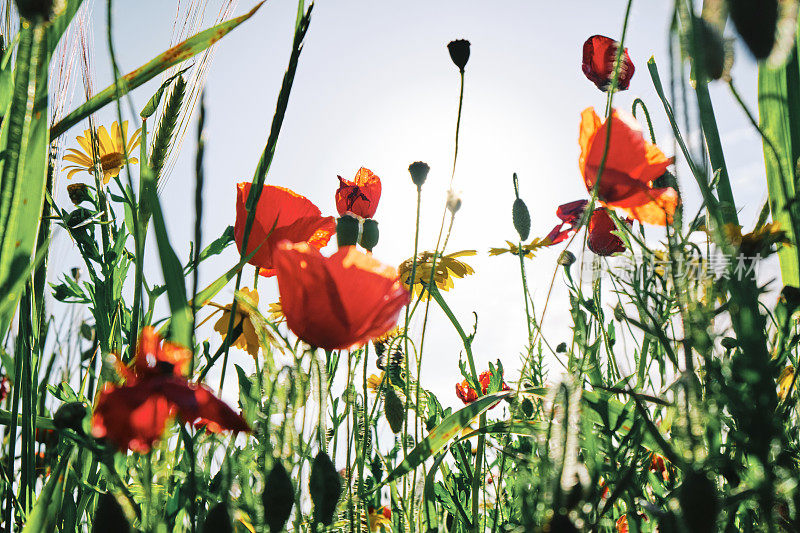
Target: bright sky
(376,88)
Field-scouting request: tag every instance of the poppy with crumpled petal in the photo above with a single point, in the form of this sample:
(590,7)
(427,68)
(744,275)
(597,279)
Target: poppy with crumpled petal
(630,166)
(600,239)
(281,214)
(468,395)
(134,416)
(599,54)
(360,196)
(339,301)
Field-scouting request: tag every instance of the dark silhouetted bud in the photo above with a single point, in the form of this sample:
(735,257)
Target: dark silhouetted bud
(394,410)
(218,520)
(70,415)
(325,485)
(347,231)
(109,516)
(369,234)
(756,21)
(278,498)
(699,502)
(34,10)
(521,218)
(419,172)
(561,348)
(459,52)
(78,192)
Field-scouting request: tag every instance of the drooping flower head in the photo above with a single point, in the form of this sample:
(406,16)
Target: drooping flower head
(360,196)
(281,214)
(570,215)
(630,167)
(468,395)
(600,238)
(599,54)
(248,339)
(110,154)
(339,301)
(133,416)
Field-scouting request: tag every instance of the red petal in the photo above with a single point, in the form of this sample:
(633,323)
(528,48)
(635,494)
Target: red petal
(132,417)
(197,405)
(599,54)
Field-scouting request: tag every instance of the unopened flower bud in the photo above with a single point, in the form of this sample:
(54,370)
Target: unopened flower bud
(70,416)
(109,515)
(521,218)
(453,201)
(39,9)
(566,258)
(369,234)
(78,193)
(459,52)
(347,231)
(419,172)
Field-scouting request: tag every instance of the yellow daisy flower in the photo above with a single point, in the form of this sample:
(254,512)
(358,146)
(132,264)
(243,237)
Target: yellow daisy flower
(248,340)
(111,151)
(374,382)
(447,268)
(276,313)
(528,249)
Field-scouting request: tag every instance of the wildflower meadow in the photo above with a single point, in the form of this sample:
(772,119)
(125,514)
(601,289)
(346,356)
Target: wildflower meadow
(282,371)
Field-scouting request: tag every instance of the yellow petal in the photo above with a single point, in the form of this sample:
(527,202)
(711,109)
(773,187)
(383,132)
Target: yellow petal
(74,171)
(106,144)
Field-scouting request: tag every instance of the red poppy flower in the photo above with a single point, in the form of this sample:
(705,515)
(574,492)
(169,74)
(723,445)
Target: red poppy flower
(599,54)
(281,214)
(600,239)
(133,416)
(622,524)
(468,395)
(631,166)
(359,196)
(339,301)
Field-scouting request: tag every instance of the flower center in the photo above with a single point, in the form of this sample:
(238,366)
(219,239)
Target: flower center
(111,161)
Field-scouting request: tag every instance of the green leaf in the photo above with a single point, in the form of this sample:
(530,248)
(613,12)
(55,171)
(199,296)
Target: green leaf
(443,433)
(178,53)
(45,512)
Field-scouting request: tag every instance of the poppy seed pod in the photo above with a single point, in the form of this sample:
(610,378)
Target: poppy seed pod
(347,228)
(521,218)
(369,234)
(566,258)
(419,172)
(459,52)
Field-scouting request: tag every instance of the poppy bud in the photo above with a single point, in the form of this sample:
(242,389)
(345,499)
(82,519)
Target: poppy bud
(717,51)
(699,502)
(109,516)
(394,411)
(419,172)
(70,415)
(521,218)
(39,9)
(347,231)
(453,201)
(218,520)
(756,23)
(278,498)
(78,192)
(325,485)
(566,258)
(459,52)
(369,234)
